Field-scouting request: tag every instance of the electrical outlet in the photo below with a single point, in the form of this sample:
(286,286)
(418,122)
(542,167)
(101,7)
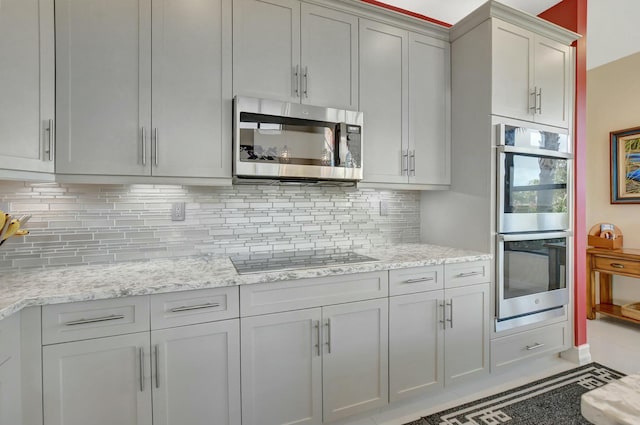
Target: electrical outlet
(177,211)
(384,208)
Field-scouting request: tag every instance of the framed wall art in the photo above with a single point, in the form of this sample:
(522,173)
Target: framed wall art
(625,166)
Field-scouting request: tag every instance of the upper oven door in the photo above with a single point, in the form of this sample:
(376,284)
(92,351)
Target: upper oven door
(534,192)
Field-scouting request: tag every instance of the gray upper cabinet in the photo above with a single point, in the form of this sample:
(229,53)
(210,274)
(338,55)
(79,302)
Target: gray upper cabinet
(295,52)
(531,76)
(103,83)
(405,97)
(26,87)
(383,100)
(109,66)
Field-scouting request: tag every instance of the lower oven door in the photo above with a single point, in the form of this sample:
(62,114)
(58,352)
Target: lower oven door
(532,273)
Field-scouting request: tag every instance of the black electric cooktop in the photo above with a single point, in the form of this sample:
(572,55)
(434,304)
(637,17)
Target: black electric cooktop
(293,260)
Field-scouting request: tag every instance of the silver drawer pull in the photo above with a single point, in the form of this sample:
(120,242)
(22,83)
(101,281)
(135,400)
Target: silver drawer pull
(617,265)
(534,346)
(420,279)
(96,320)
(468,274)
(194,307)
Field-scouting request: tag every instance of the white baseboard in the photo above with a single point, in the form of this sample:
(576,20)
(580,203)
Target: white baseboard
(580,355)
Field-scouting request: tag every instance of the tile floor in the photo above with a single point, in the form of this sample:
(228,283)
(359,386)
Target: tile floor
(613,343)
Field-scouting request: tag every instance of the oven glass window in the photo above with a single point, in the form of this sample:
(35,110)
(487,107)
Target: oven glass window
(282,140)
(535,139)
(535,184)
(533,267)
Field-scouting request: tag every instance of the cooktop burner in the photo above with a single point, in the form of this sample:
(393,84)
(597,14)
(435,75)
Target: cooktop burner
(293,260)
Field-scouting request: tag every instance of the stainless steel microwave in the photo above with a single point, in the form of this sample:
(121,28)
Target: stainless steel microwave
(292,141)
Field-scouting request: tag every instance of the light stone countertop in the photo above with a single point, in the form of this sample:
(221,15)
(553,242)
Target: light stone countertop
(24,288)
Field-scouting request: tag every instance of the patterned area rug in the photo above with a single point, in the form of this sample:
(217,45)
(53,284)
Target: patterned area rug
(551,401)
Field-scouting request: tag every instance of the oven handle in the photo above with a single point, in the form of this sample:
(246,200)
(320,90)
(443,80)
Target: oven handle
(535,152)
(513,237)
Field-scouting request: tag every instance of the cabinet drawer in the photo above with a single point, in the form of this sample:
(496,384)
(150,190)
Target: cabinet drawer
(93,319)
(514,348)
(416,279)
(617,266)
(191,307)
(262,298)
(462,274)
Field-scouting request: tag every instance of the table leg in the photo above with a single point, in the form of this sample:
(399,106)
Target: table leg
(606,291)
(591,293)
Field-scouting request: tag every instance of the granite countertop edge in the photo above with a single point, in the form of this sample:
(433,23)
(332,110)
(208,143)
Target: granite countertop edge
(36,287)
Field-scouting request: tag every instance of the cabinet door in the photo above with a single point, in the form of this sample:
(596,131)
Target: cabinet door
(266,49)
(281,368)
(552,66)
(512,76)
(416,344)
(383,100)
(329,57)
(103,86)
(467,334)
(197,374)
(191,88)
(10,379)
(355,358)
(26,85)
(429,110)
(103,381)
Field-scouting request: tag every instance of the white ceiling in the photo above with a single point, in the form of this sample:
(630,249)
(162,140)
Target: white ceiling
(451,11)
(612,29)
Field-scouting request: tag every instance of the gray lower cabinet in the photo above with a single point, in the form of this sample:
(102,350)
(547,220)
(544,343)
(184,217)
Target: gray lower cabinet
(438,327)
(314,365)
(102,381)
(10,381)
(178,371)
(26,88)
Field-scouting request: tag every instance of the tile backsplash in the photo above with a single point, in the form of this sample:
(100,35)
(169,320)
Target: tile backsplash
(91,224)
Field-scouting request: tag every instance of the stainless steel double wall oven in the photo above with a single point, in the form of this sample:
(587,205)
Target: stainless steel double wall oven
(534,182)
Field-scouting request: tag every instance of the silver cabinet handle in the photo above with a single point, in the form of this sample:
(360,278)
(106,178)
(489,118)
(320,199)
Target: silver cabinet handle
(157,360)
(539,96)
(617,265)
(534,94)
(534,346)
(296,81)
(194,307)
(468,274)
(141,377)
(144,146)
(317,344)
(305,76)
(155,145)
(328,325)
(412,162)
(450,319)
(95,320)
(420,279)
(405,163)
(49,130)
(443,321)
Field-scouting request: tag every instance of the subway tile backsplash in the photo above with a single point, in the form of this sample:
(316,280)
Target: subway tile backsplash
(90,224)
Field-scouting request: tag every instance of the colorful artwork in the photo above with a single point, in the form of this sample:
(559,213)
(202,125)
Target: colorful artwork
(625,166)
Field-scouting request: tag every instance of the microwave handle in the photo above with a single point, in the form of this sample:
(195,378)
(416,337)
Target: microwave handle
(342,144)
(533,236)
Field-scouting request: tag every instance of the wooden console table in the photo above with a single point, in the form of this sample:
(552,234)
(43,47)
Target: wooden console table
(608,262)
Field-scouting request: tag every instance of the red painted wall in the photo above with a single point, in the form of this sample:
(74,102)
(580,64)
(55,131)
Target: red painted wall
(572,14)
(406,12)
